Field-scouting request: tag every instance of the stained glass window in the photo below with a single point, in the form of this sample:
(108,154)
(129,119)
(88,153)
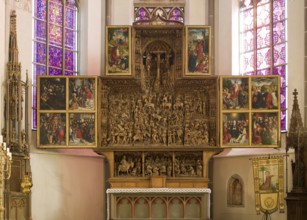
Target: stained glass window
(263,43)
(55,40)
(151,13)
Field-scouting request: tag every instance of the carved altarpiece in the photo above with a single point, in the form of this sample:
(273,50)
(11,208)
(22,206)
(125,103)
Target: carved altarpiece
(158,129)
(158,124)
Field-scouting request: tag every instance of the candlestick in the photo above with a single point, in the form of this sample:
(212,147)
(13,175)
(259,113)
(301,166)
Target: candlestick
(10,155)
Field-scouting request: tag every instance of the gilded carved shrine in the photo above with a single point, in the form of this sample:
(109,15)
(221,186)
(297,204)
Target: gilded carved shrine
(158,125)
(16,175)
(156,122)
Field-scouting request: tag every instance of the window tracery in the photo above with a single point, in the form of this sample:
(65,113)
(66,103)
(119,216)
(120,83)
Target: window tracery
(145,13)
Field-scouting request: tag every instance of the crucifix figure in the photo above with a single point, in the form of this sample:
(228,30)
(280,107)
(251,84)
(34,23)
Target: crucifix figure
(157,80)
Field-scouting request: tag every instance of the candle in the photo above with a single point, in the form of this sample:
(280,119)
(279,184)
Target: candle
(8,149)
(1,139)
(4,146)
(10,155)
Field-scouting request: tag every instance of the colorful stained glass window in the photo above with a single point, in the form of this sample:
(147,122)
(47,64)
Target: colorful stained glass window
(263,43)
(152,13)
(55,45)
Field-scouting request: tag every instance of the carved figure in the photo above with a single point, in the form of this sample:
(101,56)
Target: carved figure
(125,166)
(199,168)
(155,171)
(169,169)
(148,171)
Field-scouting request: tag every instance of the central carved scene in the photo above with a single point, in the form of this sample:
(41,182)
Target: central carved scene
(158,107)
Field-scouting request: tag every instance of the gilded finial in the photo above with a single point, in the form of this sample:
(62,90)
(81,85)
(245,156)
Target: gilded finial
(295,93)
(13,48)
(296,122)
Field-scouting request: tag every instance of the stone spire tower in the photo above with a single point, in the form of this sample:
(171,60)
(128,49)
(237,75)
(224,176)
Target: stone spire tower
(297,136)
(296,122)
(296,139)
(16,126)
(16,132)
(13,48)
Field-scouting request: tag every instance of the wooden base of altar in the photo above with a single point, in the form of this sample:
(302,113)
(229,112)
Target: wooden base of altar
(296,206)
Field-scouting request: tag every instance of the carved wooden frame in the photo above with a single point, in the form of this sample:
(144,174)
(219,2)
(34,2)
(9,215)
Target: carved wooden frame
(118,66)
(198,61)
(75,125)
(248,124)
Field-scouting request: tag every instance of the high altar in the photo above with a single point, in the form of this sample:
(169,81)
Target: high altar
(159,126)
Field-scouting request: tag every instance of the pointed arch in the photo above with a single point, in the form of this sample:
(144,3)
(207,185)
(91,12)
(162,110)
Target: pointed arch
(235,191)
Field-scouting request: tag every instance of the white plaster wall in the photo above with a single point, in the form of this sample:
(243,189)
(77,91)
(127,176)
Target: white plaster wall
(196,12)
(92,31)
(296,53)
(226,37)
(67,187)
(122,12)
(224,168)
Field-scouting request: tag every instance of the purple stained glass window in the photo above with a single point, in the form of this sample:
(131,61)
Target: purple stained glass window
(248,41)
(263,43)
(264,72)
(55,56)
(68,73)
(40,70)
(247,61)
(281,70)
(69,60)
(55,72)
(40,30)
(279,10)
(151,13)
(280,54)
(70,39)
(70,18)
(55,35)
(263,58)
(263,15)
(176,15)
(55,13)
(40,9)
(279,34)
(61,56)
(247,19)
(39,53)
(263,37)
(142,14)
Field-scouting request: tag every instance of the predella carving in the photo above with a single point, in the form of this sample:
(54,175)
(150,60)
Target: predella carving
(148,164)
